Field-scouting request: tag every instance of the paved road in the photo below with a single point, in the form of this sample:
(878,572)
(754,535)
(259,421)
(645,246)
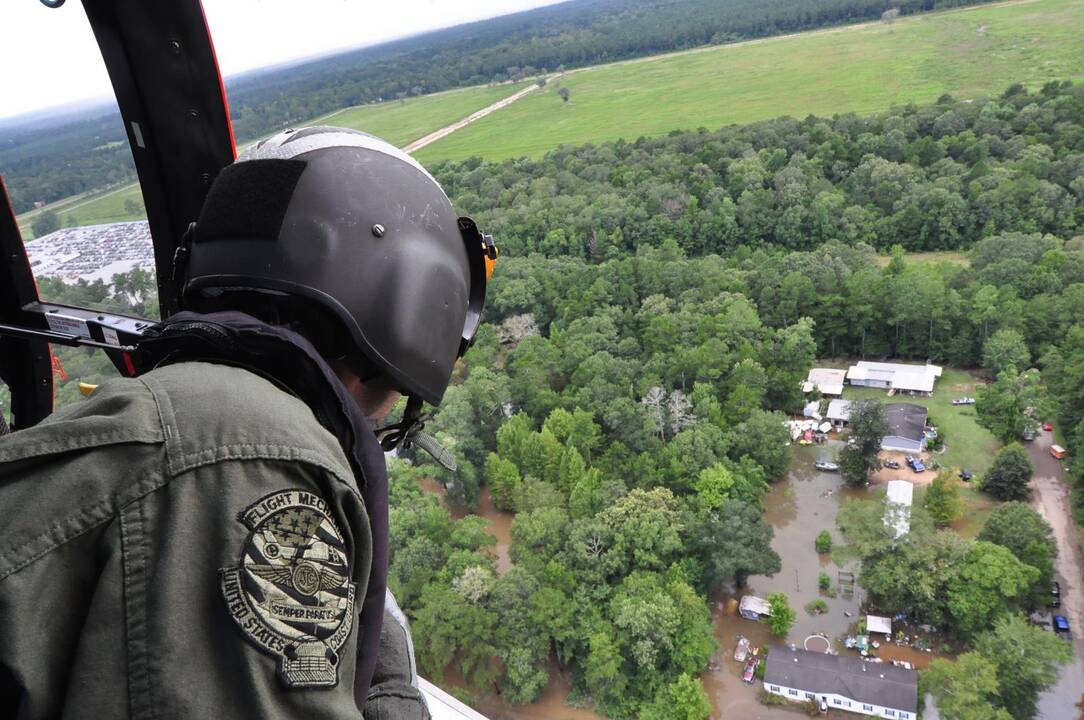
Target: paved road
(1050,497)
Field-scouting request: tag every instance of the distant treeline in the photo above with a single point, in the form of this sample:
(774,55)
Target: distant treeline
(50,164)
(933,177)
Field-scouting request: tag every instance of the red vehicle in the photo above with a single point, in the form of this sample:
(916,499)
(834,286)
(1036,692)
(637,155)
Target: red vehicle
(1048,426)
(750,669)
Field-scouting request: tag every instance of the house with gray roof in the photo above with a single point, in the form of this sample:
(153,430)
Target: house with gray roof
(843,683)
(906,428)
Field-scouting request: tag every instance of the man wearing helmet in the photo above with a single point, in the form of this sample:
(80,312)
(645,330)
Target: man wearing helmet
(210,536)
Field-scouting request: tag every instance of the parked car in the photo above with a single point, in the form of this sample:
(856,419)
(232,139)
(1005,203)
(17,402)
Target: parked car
(1061,627)
(1057,451)
(964,401)
(826,466)
(1028,434)
(750,669)
(892,464)
(917,466)
(1055,595)
(1048,426)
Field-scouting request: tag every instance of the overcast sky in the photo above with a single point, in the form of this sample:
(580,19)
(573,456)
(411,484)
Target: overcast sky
(49,57)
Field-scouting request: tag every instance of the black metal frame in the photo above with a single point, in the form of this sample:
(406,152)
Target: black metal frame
(172,100)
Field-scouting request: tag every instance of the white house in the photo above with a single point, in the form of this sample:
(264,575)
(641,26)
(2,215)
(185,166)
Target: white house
(844,683)
(829,381)
(898,507)
(911,379)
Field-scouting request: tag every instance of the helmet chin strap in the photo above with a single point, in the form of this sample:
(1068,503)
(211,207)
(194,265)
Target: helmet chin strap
(410,431)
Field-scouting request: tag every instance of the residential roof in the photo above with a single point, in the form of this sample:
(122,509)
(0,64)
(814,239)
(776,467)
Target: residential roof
(839,410)
(828,380)
(906,420)
(871,683)
(811,410)
(917,378)
(878,624)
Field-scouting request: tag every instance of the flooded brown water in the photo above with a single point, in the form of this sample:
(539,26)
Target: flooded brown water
(500,522)
(797,508)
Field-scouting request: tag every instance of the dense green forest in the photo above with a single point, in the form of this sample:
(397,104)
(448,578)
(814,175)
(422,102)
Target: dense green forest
(645,336)
(932,177)
(645,396)
(49,163)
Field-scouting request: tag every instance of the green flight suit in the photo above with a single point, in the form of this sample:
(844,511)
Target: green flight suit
(186,544)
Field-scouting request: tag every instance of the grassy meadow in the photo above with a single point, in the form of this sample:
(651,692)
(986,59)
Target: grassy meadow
(859,68)
(400,123)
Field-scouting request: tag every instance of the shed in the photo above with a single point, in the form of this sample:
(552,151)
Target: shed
(812,410)
(754,608)
(839,412)
(828,380)
(878,624)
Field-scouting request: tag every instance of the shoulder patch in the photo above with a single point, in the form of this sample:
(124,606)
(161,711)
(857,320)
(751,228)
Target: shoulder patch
(291,594)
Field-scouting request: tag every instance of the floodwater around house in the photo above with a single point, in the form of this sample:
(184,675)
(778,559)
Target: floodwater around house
(798,508)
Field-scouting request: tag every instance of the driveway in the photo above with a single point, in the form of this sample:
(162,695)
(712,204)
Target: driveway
(1050,498)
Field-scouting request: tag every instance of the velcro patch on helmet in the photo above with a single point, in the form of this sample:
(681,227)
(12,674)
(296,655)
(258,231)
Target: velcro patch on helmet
(249,200)
(290,594)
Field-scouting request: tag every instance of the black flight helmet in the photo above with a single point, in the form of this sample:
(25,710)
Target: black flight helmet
(344,223)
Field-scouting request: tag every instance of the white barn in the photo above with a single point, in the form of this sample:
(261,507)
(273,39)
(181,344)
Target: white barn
(902,378)
(844,683)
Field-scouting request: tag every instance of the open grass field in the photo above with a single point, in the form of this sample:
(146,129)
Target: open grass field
(397,122)
(401,122)
(929,258)
(860,68)
(967,444)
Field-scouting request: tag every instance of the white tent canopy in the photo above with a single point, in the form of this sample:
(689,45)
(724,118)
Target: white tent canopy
(878,624)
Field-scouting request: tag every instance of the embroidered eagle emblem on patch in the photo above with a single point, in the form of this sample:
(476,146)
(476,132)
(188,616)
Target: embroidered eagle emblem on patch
(291,594)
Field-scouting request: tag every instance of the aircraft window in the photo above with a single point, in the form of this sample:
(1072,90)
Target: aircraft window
(70,177)
(68,169)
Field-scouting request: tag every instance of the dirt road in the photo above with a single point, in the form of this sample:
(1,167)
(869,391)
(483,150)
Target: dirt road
(477,115)
(1050,497)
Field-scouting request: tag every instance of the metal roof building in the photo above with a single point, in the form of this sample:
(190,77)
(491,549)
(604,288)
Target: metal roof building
(828,380)
(839,411)
(844,683)
(895,376)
